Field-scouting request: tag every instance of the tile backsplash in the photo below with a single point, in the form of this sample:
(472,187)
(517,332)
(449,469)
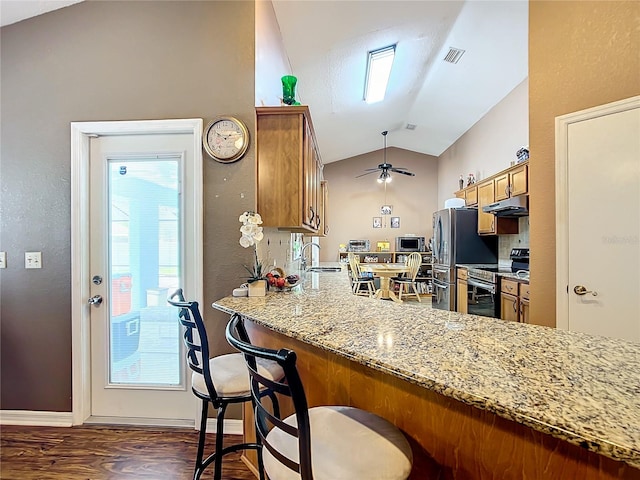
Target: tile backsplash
(507,242)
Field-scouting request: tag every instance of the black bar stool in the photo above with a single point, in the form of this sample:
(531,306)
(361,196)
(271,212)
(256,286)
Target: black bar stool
(319,443)
(221,381)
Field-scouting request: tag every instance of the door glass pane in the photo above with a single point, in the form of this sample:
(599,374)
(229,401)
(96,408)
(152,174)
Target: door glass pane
(144,263)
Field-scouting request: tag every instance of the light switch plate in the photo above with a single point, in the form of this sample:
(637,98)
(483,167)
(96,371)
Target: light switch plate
(3,259)
(32,259)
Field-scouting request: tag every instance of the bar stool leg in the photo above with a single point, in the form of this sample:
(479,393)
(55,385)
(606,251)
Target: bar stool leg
(201,439)
(217,472)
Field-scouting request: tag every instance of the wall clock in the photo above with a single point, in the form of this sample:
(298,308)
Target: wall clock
(226,139)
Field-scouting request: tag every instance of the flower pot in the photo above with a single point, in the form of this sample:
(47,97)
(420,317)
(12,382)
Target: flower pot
(258,288)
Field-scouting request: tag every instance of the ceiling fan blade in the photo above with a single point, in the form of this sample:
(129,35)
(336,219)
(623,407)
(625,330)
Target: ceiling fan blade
(368,173)
(410,174)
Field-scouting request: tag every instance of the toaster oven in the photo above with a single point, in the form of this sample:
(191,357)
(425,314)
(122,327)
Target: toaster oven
(358,246)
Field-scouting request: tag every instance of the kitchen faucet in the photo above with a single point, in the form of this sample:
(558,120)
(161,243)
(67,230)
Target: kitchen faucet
(303,261)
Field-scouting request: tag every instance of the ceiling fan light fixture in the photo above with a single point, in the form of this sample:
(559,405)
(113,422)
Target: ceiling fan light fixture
(379,64)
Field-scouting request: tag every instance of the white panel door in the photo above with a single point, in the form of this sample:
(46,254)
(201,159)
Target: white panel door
(601,224)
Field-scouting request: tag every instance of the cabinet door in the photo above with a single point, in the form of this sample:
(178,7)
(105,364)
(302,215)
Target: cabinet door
(485,197)
(309,174)
(461,296)
(323,231)
(501,184)
(279,169)
(524,311)
(509,307)
(519,180)
(471,197)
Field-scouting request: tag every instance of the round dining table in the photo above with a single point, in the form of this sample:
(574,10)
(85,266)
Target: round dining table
(385,271)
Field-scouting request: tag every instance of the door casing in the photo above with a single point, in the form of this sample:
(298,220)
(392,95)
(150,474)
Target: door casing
(81,132)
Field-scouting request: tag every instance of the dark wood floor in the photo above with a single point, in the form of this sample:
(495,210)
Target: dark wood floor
(108,453)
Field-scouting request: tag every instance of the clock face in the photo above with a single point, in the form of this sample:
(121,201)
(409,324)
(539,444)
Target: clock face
(226,139)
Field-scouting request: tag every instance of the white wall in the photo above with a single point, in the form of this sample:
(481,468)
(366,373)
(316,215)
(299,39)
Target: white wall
(489,146)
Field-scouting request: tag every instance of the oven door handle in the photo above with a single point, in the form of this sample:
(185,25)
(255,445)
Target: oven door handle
(440,284)
(486,286)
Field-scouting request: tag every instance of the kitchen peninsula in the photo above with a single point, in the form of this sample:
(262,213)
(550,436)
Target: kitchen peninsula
(478,397)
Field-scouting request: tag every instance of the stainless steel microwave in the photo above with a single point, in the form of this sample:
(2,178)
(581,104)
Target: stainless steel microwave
(410,244)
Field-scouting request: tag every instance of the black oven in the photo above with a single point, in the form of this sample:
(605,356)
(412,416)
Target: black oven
(483,298)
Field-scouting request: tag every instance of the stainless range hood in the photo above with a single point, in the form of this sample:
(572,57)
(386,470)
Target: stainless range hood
(511,207)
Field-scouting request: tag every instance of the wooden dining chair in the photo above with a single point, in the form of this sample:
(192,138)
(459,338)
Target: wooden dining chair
(221,381)
(332,442)
(358,280)
(407,283)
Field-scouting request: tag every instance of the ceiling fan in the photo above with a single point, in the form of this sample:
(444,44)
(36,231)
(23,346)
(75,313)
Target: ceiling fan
(385,168)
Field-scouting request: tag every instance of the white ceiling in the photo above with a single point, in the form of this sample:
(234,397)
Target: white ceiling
(327,44)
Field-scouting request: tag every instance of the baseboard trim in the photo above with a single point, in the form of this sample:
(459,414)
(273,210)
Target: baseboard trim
(65,419)
(231,427)
(36,418)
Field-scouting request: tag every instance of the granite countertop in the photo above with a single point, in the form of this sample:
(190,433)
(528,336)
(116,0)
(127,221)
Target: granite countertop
(580,388)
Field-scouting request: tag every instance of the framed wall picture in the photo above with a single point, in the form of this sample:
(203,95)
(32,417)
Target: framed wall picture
(386,210)
(395,222)
(377,222)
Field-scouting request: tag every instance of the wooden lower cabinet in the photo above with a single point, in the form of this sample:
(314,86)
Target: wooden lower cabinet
(523,298)
(449,439)
(514,300)
(509,308)
(462,299)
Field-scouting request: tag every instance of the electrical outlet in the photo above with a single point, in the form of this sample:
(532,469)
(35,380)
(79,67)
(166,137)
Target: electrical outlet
(32,259)
(3,259)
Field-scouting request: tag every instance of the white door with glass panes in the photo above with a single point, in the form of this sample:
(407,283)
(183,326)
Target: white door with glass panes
(140,222)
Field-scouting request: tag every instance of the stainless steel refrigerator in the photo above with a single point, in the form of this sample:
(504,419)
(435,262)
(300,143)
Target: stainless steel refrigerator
(456,241)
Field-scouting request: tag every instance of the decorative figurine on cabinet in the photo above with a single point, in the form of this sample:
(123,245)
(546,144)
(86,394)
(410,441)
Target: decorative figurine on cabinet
(471,179)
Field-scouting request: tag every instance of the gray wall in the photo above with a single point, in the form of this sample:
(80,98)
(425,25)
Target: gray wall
(107,61)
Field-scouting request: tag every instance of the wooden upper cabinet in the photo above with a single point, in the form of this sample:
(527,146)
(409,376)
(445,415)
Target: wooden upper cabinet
(289,169)
(323,230)
(512,182)
(469,194)
(519,180)
(488,223)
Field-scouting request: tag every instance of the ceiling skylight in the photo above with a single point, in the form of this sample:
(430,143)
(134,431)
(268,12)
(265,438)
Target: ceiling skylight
(379,64)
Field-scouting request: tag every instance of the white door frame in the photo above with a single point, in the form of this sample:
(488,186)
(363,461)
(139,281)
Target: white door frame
(562,198)
(81,132)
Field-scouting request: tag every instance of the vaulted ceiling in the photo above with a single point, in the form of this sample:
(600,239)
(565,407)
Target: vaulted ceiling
(327,44)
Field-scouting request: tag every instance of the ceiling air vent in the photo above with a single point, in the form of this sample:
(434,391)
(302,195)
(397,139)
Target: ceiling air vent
(410,126)
(453,55)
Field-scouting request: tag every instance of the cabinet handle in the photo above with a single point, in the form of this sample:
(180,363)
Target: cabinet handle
(515,306)
(313,215)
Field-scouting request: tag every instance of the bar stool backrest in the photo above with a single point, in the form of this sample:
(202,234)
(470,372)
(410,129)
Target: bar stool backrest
(195,339)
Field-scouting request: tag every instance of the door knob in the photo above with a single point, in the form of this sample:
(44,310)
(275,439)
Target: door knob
(581,290)
(95,300)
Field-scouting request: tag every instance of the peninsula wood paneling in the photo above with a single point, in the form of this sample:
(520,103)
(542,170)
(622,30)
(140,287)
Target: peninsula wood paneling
(449,439)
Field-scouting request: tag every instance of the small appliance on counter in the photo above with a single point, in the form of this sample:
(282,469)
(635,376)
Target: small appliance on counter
(359,246)
(410,243)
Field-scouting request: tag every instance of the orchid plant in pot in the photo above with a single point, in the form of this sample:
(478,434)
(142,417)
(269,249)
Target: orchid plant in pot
(251,236)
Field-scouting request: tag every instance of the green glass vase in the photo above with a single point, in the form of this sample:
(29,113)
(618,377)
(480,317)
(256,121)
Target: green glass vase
(289,90)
